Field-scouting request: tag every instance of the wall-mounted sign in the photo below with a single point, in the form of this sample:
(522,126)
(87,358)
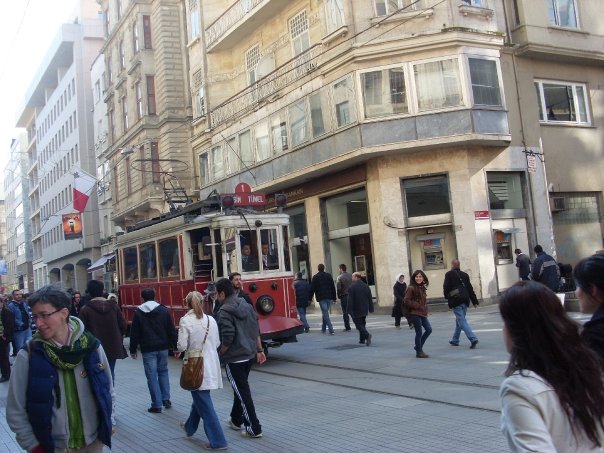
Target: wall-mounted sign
(72,225)
(481,215)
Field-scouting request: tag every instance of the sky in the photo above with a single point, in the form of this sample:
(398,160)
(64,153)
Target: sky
(27,28)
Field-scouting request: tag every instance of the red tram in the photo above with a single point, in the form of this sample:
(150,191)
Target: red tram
(184,251)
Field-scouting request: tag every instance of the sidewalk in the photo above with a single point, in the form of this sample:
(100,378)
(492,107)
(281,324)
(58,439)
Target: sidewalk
(328,393)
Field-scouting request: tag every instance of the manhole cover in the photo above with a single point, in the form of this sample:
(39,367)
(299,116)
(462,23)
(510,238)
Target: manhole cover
(344,347)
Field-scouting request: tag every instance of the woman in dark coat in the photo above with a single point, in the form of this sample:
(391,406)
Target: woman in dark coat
(398,290)
(589,278)
(415,300)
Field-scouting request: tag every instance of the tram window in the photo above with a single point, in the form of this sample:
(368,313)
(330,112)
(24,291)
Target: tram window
(230,248)
(148,262)
(249,251)
(218,254)
(130,264)
(286,258)
(269,249)
(169,258)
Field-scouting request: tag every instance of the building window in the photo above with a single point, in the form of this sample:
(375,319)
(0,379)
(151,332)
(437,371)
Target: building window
(122,55)
(97,93)
(151,95)
(478,3)
(298,30)
(194,19)
(106,23)
(485,82)
(109,70)
(343,97)
(232,155)
(135,41)
(297,118)
(125,113)
(204,170)
(119,9)
(139,100)
(505,190)
(561,102)
(279,134)
(263,143)
(147,32)
(427,196)
(217,163)
(155,168)
(386,7)
(438,84)
(112,124)
(384,92)
(562,13)
(252,57)
(319,113)
(334,15)
(246,153)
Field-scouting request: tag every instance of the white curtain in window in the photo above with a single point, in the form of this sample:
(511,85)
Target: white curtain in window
(334,11)
(437,84)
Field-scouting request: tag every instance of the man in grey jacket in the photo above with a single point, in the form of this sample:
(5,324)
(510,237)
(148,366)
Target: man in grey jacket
(240,345)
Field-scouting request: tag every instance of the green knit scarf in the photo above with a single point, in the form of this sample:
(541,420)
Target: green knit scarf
(66,358)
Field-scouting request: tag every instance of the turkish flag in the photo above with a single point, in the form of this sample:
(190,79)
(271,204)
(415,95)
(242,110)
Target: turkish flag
(82,188)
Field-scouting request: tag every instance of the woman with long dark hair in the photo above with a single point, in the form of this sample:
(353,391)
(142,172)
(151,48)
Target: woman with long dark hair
(553,396)
(589,278)
(198,331)
(415,300)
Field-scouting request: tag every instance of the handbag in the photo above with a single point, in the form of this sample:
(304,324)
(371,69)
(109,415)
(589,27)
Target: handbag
(191,375)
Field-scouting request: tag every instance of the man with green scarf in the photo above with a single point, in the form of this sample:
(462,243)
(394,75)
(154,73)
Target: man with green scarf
(60,392)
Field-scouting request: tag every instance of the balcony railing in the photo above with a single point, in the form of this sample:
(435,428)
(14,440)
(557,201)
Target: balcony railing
(281,77)
(230,17)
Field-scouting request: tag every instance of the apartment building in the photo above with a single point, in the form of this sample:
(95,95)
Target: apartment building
(3,269)
(557,66)
(148,155)
(389,125)
(18,256)
(56,115)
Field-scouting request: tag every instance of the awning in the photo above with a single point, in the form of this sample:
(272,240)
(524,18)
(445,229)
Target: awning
(100,263)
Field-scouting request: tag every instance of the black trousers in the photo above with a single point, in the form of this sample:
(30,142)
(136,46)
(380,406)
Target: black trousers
(360,323)
(345,315)
(4,362)
(243,410)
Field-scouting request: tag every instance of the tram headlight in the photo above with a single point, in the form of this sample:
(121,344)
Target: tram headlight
(265,304)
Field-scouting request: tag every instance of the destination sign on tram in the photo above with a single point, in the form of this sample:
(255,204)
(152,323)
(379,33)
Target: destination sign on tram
(244,199)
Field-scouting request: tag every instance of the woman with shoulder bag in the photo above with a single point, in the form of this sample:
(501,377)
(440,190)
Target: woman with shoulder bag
(198,331)
(415,300)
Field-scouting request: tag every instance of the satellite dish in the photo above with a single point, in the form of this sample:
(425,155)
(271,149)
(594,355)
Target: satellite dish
(265,66)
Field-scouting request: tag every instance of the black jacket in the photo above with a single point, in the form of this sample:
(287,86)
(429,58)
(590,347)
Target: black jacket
(323,287)
(453,280)
(545,270)
(593,333)
(360,300)
(152,329)
(303,292)
(7,318)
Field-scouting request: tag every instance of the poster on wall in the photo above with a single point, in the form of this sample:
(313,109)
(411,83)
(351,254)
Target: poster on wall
(72,226)
(302,267)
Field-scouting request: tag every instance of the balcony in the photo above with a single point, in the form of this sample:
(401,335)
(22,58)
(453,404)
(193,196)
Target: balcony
(239,21)
(266,88)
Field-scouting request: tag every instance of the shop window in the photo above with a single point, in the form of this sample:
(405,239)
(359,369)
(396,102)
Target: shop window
(148,261)
(505,190)
(130,264)
(169,258)
(347,210)
(427,196)
(503,242)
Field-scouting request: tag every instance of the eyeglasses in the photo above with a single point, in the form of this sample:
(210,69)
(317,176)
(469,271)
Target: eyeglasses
(44,316)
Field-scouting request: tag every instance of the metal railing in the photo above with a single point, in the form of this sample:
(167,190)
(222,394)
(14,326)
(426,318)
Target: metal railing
(281,77)
(231,16)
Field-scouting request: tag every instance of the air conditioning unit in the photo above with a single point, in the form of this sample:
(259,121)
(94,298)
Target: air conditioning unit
(557,204)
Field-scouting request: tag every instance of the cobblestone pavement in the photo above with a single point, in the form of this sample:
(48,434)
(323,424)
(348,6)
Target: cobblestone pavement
(328,393)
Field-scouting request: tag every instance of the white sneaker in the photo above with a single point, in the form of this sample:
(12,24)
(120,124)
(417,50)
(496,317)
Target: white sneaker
(232,425)
(244,433)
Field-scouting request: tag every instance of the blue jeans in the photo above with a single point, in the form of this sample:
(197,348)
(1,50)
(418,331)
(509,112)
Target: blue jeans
(302,315)
(20,338)
(420,339)
(158,381)
(461,323)
(203,409)
(324,304)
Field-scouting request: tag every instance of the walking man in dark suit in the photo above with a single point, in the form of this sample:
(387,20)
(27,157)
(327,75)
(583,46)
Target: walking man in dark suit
(360,303)
(523,263)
